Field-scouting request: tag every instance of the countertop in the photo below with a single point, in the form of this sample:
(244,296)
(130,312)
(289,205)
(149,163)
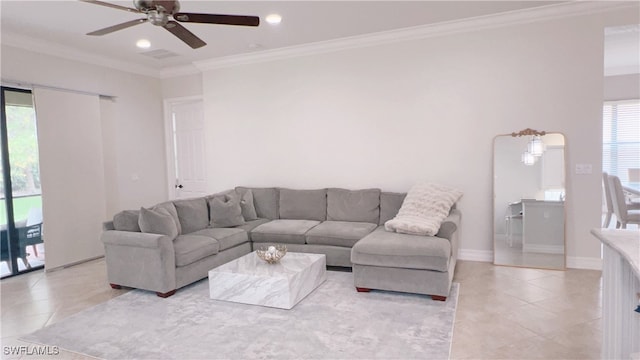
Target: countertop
(625,242)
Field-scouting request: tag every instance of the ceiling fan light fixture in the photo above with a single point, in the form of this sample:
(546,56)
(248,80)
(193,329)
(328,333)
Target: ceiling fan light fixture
(143,44)
(273,19)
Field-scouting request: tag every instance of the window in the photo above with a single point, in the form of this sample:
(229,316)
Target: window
(621,138)
(21,238)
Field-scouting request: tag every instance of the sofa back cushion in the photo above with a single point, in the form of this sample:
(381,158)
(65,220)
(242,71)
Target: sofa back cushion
(193,214)
(353,205)
(126,220)
(303,204)
(390,204)
(265,201)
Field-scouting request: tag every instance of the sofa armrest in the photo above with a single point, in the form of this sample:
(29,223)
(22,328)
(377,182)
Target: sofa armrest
(140,260)
(449,225)
(137,239)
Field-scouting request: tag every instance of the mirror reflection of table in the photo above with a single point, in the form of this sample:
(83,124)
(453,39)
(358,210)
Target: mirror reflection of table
(632,188)
(543,226)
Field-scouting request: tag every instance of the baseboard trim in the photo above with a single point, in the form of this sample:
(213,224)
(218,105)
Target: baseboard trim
(544,249)
(573,262)
(475,255)
(62,267)
(584,263)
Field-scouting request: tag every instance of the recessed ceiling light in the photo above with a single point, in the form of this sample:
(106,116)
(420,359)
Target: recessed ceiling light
(143,44)
(273,19)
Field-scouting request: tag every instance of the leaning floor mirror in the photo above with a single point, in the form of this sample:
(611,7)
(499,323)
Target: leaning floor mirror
(528,199)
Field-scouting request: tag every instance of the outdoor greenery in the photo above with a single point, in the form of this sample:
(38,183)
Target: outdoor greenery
(23,150)
(23,158)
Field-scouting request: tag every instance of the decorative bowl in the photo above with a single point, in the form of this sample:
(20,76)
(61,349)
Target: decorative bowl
(272,254)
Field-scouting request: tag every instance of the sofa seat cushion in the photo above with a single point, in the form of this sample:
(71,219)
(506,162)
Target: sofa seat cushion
(283,231)
(226,237)
(339,233)
(252,224)
(191,248)
(388,249)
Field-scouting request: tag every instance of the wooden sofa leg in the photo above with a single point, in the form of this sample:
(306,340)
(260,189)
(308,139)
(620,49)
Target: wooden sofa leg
(115,286)
(165,295)
(359,289)
(438,298)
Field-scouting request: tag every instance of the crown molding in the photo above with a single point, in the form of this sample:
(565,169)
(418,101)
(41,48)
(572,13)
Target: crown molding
(70,53)
(516,17)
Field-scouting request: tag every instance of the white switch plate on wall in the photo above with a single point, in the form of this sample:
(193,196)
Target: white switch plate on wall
(584,169)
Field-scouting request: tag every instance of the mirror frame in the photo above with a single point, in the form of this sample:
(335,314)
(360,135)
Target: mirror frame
(530,132)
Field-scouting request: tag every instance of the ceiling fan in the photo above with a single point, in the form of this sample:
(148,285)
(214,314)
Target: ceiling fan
(160,13)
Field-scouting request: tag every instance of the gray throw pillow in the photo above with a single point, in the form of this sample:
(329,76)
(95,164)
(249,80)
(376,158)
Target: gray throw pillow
(247,206)
(225,211)
(127,220)
(157,221)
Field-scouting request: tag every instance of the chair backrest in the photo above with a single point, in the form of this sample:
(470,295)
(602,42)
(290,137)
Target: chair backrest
(34,217)
(607,192)
(618,199)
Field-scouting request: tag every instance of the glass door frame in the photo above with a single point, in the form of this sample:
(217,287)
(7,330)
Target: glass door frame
(12,233)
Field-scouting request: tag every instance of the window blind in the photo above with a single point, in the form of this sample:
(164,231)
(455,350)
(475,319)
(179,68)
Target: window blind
(621,138)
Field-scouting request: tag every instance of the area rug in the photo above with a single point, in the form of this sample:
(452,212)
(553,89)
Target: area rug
(333,322)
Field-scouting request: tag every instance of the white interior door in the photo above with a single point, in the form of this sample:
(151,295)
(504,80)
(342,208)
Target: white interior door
(188,136)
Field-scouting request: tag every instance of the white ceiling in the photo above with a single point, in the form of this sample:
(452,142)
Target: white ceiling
(65,23)
(60,26)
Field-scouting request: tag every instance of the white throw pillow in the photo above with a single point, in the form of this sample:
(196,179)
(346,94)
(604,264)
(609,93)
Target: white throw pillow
(423,210)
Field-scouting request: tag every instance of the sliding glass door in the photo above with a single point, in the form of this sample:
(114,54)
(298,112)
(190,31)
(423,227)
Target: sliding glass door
(21,224)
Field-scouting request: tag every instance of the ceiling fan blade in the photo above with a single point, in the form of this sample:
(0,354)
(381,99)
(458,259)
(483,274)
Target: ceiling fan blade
(218,19)
(114,6)
(113,28)
(185,35)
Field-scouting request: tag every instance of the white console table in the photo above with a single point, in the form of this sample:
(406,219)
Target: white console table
(620,293)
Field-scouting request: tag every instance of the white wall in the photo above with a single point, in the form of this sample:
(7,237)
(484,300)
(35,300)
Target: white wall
(132,125)
(390,115)
(182,86)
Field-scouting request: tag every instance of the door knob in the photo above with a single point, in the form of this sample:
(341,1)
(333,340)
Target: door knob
(179,186)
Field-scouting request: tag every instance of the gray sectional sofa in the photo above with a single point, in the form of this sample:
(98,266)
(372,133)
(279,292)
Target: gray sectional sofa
(345,225)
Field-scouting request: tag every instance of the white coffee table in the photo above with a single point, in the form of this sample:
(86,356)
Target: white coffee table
(250,280)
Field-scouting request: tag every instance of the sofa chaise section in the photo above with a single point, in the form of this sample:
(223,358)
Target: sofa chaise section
(390,261)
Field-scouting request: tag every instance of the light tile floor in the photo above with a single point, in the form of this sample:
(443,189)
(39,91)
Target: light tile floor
(503,312)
